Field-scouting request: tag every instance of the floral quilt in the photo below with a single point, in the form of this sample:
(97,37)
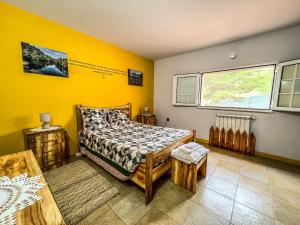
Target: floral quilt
(125,147)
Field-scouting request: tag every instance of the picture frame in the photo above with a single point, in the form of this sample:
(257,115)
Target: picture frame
(135,77)
(40,60)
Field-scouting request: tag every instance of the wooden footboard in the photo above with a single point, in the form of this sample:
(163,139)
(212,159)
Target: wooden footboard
(146,174)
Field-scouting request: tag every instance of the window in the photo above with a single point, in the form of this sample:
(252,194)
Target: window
(287,96)
(246,88)
(243,88)
(186,89)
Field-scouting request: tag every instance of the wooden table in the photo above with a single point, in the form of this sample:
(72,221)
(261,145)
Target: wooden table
(42,212)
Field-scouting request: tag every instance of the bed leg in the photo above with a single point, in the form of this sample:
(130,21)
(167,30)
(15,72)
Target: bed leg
(194,136)
(148,178)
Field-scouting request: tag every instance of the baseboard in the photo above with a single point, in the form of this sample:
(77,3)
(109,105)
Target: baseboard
(262,154)
(201,141)
(278,158)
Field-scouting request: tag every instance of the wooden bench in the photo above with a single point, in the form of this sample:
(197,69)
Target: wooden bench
(185,175)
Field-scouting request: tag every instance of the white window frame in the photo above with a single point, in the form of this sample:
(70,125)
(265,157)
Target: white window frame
(199,90)
(277,86)
(198,75)
(238,108)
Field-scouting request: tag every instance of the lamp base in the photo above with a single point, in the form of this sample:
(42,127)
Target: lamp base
(45,125)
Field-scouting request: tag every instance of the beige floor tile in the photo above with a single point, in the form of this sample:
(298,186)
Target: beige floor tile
(211,159)
(254,185)
(104,216)
(201,216)
(131,208)
(178,211)
(229,166)
(222,187)
(178,193)
(215,203)
(124,191)
(156,217)
(202,181)
(162,188)
(243,215)
(280,223)
(237,160)
(226,175)
(255,201)
(252,165)
(97,213)
(286,214)
(210,168)
(287,181)
(285,196)
(254,174)
(174,205)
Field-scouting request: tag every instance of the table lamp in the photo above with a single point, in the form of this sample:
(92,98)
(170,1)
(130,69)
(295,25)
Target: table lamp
(146,110)
(45,118)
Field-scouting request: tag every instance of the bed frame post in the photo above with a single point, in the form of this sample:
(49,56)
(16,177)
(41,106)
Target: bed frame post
(79,124)
(194,135)
(148,178)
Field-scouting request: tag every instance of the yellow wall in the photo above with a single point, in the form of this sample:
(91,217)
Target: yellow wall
(23,95)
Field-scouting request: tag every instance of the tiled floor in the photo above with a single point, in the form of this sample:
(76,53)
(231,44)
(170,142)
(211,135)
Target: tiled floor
(236,191)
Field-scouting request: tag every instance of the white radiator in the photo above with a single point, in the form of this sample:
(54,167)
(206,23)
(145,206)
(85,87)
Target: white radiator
(235,122)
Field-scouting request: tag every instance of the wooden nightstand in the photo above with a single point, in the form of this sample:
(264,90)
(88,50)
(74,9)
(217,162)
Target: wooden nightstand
(50,147)
(147,119)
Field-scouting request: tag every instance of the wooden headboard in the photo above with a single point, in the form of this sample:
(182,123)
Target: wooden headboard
(125,108)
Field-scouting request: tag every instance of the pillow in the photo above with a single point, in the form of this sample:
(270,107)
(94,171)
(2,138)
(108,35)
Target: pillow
(94,119)
(117,118)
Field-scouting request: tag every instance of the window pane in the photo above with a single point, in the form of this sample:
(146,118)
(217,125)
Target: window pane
(297,86)
(284,100)
(241,88)
(286,86)
(296,101)
(288,72)
(186,90)
(298,71)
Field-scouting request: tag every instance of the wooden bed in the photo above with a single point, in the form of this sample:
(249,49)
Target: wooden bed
(145,174)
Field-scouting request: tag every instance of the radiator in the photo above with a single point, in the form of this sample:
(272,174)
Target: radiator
(233,132)
(234,122)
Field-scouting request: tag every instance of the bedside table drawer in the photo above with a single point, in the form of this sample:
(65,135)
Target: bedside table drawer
(147,119)
(50,147)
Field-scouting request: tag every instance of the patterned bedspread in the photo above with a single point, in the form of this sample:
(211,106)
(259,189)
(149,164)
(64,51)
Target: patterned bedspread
(125,148)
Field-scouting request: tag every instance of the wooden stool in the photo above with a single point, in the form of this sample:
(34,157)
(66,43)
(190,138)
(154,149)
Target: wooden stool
(185,175)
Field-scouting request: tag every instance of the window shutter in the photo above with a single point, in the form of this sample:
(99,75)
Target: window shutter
(186,89)
(287,87)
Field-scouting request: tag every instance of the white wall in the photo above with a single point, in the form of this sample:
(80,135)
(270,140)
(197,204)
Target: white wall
(276,133)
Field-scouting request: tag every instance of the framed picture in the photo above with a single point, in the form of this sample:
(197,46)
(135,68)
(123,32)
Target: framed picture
(44,61)
(135,77)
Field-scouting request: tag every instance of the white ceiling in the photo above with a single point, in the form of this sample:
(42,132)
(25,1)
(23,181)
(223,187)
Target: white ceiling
(161,28)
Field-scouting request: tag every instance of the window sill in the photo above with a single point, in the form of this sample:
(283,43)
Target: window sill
(236,109)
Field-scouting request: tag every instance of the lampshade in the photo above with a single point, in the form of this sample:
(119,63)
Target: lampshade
(146,109)
(45,117)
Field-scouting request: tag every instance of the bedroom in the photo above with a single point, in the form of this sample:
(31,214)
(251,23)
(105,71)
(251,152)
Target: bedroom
(79,79)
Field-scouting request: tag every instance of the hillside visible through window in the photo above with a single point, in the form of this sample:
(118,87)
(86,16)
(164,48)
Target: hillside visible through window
(248,88)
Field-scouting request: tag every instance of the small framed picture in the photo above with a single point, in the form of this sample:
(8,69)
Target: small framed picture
(135,77)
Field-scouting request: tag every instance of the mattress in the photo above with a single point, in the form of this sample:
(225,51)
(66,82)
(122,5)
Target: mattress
(126,147)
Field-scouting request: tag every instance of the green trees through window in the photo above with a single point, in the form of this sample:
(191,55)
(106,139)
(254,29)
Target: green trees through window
(239,88)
